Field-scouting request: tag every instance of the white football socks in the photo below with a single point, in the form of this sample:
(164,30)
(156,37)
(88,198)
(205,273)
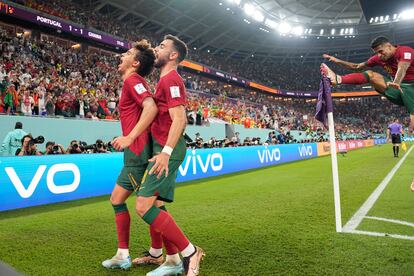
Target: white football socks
(122,253)
(190,249)
(155,252)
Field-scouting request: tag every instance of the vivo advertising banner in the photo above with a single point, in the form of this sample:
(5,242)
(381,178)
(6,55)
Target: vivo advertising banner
(343,146)
(36,180)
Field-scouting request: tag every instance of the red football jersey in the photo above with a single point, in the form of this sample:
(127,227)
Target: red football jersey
(134,91)
(403,53)
(169,92)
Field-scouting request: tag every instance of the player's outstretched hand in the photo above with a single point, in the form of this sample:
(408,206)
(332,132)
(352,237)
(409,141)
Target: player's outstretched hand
(161,164)
(121,142)
(412,186)
(330,58)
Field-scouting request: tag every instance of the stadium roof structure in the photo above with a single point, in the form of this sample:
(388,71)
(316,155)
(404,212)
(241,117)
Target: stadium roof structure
(234,30)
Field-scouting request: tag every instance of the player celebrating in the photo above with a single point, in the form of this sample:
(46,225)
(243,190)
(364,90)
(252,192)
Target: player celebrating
(395,130)
(395,59)
(137,111)
(170,149)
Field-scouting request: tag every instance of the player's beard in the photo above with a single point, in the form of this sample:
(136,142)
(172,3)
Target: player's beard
(159,63)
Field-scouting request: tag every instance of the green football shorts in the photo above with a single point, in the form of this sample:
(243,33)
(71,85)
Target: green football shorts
(405,98)
(133,172)
(164,187)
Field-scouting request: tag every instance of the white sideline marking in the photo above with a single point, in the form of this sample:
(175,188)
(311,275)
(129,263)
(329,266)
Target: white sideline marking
(406,223)
(378,234)
(353,223)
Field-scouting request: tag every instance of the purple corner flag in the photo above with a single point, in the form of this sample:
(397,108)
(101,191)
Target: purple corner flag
(324,105)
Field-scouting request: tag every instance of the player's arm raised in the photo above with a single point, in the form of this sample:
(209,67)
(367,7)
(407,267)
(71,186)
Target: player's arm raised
(346,64)
(402,70)
(179,121)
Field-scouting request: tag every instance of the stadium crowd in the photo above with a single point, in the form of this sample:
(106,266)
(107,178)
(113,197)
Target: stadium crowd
(287,77)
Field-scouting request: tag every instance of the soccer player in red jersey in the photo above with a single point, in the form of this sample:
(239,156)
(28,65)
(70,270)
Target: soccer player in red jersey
(137,111)
(396,61)
(169,147)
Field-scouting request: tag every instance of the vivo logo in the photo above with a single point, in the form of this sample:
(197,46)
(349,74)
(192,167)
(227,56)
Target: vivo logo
(305,150)
(215,161)
(267,155)
(61,189)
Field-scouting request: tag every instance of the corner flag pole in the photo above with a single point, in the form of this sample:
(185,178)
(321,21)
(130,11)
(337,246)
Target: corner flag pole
(335,175)
(324,114)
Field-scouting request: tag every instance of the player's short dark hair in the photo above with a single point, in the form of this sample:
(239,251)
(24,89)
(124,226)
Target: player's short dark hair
(379,41)
(146,57)
(179,45)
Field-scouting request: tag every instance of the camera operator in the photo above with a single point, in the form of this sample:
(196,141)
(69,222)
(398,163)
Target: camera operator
(100,147)
(74,148)
(53,148)
(212,142)
(29,146)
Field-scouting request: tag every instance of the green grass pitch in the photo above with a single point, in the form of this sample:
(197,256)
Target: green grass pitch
(273,221)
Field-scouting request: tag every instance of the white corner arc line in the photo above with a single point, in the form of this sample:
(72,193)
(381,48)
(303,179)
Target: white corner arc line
(406,223)
(356,219)
(378,234)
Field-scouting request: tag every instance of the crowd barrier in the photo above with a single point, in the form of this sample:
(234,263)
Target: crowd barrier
(37,180)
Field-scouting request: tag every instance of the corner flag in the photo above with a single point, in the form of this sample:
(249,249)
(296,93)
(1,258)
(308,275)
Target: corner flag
(324,114)
(324,105)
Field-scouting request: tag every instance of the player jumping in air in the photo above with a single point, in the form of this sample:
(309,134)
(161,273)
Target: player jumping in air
(395,59)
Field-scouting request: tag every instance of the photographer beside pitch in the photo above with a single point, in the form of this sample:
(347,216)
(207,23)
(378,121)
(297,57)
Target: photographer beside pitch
(29,145)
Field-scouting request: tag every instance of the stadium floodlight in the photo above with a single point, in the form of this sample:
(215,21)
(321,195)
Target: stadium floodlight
(342,31)
(346,30)
(387,17)
(258,16)
(371,20)
(298,30)
(321,31)
(284,28)
(237,2)
(376,19)
(270,23)
(351,30)
(381,18)
(395,16)
(309,31)
(407,14)
(333,31)
(249,9)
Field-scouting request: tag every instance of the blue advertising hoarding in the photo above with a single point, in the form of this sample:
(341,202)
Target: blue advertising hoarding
(37,180)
